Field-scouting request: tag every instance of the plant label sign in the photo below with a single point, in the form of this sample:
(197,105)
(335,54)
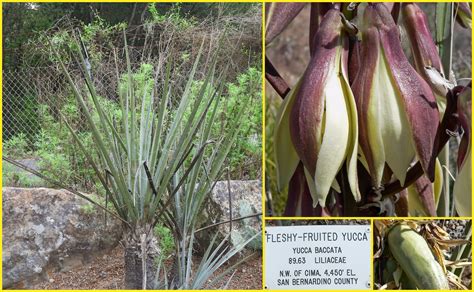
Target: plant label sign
(317,257)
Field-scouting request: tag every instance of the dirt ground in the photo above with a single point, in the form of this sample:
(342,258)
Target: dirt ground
(106,272)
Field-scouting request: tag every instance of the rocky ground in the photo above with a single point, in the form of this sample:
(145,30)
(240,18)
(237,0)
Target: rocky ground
(106,272)
(454,227)
(48,230)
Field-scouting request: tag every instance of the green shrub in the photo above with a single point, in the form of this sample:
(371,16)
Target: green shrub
(173,16)
(22,113)
(16,147)
(244,160)
(54,162)
(165,240)
(60,156)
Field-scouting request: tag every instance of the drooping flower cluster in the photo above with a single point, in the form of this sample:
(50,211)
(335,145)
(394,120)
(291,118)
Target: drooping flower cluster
(355,139)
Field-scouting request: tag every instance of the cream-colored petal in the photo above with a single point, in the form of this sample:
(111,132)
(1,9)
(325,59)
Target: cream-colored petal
(286,158)
(389,130)
(438,182)
(353,146)
(441,102)
(332,153)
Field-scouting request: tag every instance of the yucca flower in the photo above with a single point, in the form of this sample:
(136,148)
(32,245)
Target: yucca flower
(317,123)
(397,111)
(425,53)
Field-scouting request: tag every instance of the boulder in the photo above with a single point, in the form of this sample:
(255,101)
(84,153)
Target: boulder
(246,199)
(48,230)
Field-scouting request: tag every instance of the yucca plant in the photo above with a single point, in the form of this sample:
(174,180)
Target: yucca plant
(158,163)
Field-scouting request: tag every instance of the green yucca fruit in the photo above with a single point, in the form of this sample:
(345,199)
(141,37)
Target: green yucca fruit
(415,258)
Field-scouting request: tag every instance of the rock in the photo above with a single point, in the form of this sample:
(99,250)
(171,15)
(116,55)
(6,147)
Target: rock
(246,200)
(48,230)
(454,227)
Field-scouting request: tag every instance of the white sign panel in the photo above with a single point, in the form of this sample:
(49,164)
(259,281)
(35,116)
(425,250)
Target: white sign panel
(317,257)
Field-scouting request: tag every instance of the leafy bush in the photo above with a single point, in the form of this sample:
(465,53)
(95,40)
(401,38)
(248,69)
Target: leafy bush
(165,240)
(16,146)
(246,153)
(53,156)
(173,16)
(245,158)
(94,35)
(20,114)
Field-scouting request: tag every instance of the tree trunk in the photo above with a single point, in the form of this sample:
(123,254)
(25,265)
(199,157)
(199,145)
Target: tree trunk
(133,262)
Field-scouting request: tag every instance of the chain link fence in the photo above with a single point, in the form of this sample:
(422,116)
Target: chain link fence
(34,133)
(27,92)
(32,102)
(23,93)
